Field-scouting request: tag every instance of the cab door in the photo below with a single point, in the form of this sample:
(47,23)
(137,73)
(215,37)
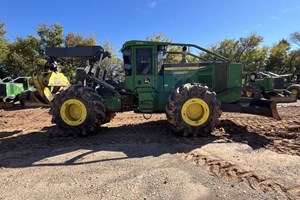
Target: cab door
(144,67)
(145,81)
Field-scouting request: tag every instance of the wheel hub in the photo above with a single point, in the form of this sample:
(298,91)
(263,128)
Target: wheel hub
(73,112)
(294,92)
(249,94)
(195,112)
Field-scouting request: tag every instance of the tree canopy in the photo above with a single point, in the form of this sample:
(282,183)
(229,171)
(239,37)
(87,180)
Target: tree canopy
(295,37)
(247,51)
(24,56)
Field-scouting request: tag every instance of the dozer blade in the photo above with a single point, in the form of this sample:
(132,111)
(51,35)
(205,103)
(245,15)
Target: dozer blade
(285,99)
(4,105)
(258,107)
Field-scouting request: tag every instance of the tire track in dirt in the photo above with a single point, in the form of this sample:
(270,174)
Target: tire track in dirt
(281,136)
(226,169)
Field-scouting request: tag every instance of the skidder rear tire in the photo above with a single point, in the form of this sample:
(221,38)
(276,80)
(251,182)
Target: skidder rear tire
(253,91)
(78,110)
(295,90)
(193,110)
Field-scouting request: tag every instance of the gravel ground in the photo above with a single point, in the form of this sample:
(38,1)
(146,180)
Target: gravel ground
(246,157)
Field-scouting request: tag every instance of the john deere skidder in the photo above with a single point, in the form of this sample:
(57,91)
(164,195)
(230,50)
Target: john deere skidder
(192,94)
(269,85)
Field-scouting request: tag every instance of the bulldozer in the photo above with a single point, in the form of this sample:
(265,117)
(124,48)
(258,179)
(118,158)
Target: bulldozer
(192,94)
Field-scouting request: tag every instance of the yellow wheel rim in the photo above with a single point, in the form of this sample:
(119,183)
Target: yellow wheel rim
(73,112)
(248,94)
(195,112)
(294,92)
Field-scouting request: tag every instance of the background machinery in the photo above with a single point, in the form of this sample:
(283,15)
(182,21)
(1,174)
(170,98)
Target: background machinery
(192,94)
(37,90)
(11,88)
(269,85)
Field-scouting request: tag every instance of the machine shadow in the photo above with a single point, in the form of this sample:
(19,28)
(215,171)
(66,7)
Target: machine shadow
(237,133)
(7,133)
(153,138)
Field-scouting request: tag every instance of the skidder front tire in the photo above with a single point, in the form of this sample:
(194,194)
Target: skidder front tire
(78,110)
(193,110)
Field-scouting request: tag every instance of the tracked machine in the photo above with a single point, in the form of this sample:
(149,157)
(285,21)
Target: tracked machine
(192,94)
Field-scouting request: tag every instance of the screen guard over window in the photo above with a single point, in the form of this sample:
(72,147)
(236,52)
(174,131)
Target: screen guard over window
(143,61)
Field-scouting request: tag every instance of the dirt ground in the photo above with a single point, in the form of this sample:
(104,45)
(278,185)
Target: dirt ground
(246,157)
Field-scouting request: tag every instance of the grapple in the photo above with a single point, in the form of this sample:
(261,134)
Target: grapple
(47,84)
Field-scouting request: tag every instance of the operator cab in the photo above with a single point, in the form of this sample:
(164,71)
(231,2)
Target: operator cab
(141,60)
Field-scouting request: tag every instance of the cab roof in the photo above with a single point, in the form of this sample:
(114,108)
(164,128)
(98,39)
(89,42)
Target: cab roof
(143,43)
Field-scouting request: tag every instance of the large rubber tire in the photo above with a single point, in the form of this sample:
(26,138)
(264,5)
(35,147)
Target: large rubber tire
(253,91)
(91,110)
(295,90)
(183,95)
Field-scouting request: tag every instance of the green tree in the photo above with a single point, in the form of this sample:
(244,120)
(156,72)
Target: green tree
(295,37)
(168,58)
(159,37)
(113,65)
(2,29)
(73,40)
(69,66)
(23,58)
(50,36)
(247,51)
(107,46)
(3,50)
(280,60)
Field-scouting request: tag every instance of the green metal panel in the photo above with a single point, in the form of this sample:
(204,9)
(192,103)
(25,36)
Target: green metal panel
(234,84)
(147,100)
(129,83)
(266,83)
(112,103)
(206,76)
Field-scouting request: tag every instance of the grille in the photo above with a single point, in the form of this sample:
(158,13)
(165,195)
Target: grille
(278,83)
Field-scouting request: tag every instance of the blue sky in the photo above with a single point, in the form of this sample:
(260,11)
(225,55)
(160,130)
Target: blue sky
(202,22)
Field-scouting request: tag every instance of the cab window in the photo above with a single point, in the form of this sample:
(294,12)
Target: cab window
(143,61)
(127,62)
